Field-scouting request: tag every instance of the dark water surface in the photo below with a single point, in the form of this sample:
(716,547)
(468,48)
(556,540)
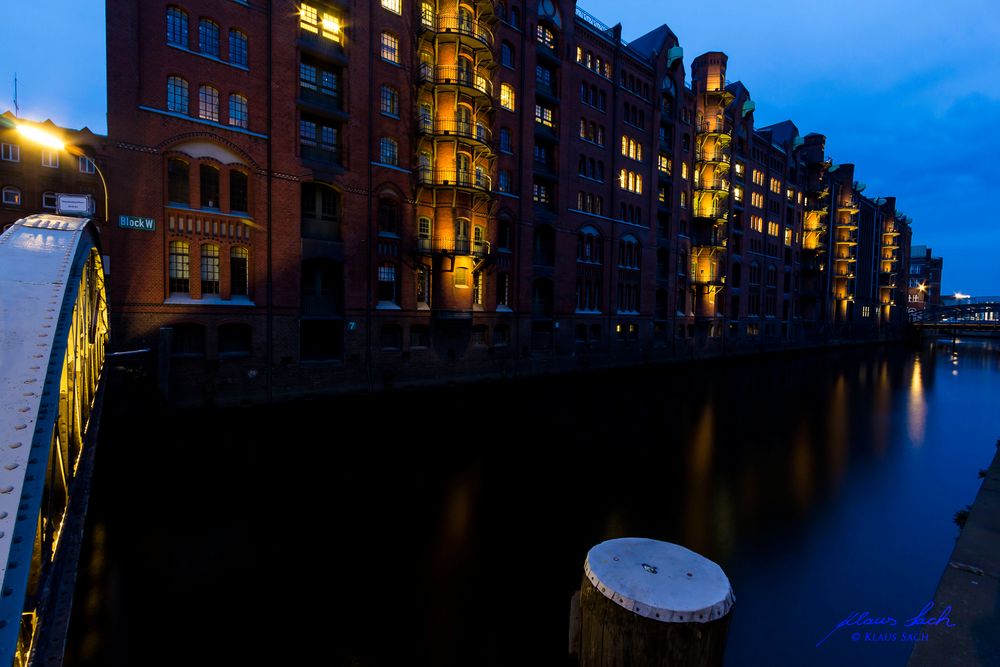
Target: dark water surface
(449,526)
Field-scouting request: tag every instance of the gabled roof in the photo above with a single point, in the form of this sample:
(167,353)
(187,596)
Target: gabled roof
(652,42)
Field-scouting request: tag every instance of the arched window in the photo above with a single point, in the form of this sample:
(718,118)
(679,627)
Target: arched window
(177,94)
(238,48)
(239,194)
(772,276)
(507,100)
(177,26)
(11,196)
(422,280)
(179,268)
(209,179)
(239,115)
(388,216)
(208,37)
(208,103)
(388,151)
(628,252)
(178,188)
(390,47)
(589,247)
(239,273)
(320,212)
(209,268)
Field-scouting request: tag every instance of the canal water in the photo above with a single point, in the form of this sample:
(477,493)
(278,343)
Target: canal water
(449,526)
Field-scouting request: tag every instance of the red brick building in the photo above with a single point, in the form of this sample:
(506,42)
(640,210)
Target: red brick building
(346,193)
(31,176)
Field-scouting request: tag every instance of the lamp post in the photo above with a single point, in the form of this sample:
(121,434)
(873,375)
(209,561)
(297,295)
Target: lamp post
(43,138)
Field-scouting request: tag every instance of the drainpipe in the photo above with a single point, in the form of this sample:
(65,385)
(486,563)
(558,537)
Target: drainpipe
(269,327)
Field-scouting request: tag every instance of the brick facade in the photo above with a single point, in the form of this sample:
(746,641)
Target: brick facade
(442,188)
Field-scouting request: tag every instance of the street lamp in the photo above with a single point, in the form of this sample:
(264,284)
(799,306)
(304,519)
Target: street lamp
(43,138)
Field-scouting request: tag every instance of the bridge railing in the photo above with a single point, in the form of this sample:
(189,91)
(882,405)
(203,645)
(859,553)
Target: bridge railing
(54,329)
(966,312)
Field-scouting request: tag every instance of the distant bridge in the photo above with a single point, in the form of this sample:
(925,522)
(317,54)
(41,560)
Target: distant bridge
(978,314)
(53,335)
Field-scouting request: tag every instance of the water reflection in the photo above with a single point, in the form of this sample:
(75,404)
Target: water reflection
(795,474)
(916,412)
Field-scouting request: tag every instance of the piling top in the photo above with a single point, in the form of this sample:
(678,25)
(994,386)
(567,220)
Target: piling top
(661,581)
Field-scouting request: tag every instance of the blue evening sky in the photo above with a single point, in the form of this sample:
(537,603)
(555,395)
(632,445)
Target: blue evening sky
(906,91)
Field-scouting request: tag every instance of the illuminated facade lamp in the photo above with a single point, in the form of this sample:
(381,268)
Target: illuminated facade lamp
(42,138)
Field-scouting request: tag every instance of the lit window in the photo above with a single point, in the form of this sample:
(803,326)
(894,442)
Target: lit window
(177,94)
(208,37)
(50,159)
(10,152)
(545,36)
(684,169)
(461,276)
(238,48)
(390,47)
(208,103)
(177,26)
(737,194)
(630,180)
(179,267)
(325,24)
(389,101)
(238,115)
(11,196)
(507,97)
(665,164)
(393,6)
(775,186)
(388,151)
(543,115)
(209,269)
(49,200)
(85,165)
(387,282)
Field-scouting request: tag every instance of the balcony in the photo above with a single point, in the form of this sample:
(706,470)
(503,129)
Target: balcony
(460,26)
(713,184)
(326,155)
(449,128)
(892,244)
(718,156)
(707,278)
(450,178)
(708,238)
(713,212)
(891,230)
(322,47)
(322,103)
(452,246)
(846,240)
(719,127)
(850,205)
(447,75)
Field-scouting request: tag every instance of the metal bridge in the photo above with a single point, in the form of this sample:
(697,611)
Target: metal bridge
(53,335)
(976,314)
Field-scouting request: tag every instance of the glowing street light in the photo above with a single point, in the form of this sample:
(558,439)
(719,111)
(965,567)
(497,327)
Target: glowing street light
(922,287)
(43,138)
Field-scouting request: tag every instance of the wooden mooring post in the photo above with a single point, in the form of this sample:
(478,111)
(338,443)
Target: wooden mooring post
(644,603)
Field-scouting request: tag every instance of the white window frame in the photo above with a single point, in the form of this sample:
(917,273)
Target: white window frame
(53,198)
(11,196)
(50,159)
(10,152)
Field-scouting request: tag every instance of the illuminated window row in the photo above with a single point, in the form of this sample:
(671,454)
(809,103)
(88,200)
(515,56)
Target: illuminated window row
(772,229)
(757,223)
(775,186)
(323,23)
(592,62)
(631,148)
(630,180)
(179,268)
(758,177)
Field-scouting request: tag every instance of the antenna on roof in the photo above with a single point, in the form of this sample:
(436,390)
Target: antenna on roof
(17,109)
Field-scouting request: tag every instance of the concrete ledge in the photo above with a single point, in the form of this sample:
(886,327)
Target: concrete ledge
(971,585)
